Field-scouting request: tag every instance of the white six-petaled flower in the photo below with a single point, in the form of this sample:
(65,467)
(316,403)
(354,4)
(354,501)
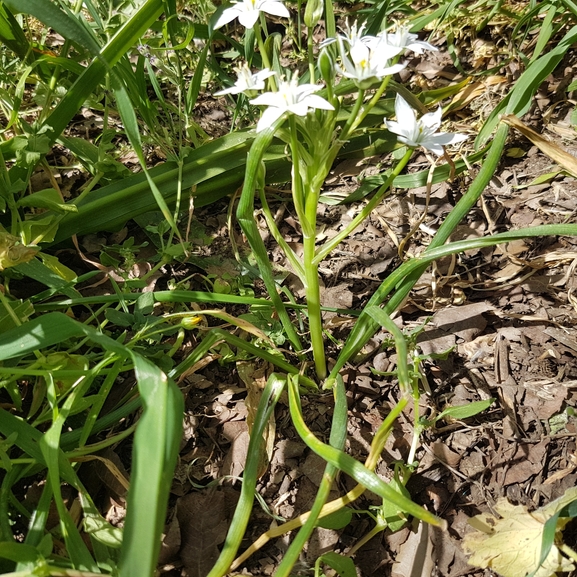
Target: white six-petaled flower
(247,11)
(402,39)
(367,61)
(290,97)
(247,82)
(421,132)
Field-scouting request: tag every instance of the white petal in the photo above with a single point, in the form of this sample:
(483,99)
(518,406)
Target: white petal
(269,99)
(307,89)
(390,70)
(231,90)
(264,74)
(248,19)
(299,108)
(275,8)
(314,101)
(227,16)
(395,127)
(405,114)
(433,147)
(420,45)
(445,138)
(268,118)
(432,119)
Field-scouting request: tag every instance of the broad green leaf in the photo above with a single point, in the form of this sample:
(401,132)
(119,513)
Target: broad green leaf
(344,566)
(465,411)
(48,198)
(11,33)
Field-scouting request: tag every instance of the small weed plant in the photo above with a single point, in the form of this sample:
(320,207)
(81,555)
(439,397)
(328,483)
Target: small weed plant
(142,65)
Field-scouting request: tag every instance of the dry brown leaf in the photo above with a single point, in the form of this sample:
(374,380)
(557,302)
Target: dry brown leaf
(511,545)
(415,558)
(554,152)
(203,525)
(255,381)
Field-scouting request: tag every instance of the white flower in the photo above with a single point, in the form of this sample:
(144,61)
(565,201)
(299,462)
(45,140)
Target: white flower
(247,81)
(422,132)
(368,60)
(403,40)
(351,35)
(291,97)
(247,12)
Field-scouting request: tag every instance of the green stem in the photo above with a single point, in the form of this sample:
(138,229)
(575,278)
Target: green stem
(264,55)
(337,439)
(311,55)
(364,328)
(334,242)
(348,127)
(306,206)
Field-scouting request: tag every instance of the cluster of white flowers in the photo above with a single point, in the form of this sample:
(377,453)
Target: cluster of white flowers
(364,59)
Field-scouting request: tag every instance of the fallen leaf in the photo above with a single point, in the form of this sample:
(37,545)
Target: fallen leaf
(415,558)
(511,545)
(203,525)
(554,152)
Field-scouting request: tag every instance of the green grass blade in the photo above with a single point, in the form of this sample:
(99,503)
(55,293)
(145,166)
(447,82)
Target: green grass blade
(351,466)
(245,216)
(126,111)
(127,36)
(156,439)
(62,22)
(156,444)
(365,326)
(270,396)
(337,440)
(519,100)
(12,34)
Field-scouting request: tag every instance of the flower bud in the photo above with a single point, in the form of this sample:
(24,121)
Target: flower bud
(326,66)
(313,13)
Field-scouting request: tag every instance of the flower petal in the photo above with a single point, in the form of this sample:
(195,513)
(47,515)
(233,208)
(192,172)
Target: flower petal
(314,101)
(269,99)
(405,114)
(275,8)
(248,19)
(268,118)
(227,16)
(445,138)
(432,120)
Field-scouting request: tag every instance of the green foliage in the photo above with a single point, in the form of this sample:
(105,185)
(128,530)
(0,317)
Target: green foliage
(142,71)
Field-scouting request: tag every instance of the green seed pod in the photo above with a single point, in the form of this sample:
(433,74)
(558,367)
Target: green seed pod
(313,13)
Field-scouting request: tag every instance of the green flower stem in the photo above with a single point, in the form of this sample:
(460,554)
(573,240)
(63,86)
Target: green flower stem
(409,273)
(297,184)
(310,55)
(264,55)
(372,102)
(334,242)
(273,228)
(348,127)
(245,216)
(307,212)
